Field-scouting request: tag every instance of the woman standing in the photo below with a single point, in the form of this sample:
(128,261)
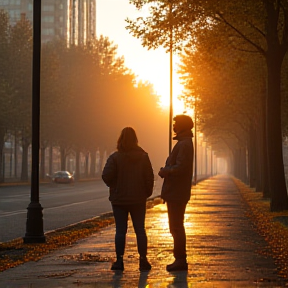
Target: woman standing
(129,175)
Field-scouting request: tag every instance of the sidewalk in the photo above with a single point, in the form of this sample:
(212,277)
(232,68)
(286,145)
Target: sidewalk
(222,250)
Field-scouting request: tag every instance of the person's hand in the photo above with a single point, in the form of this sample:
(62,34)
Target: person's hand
(162,173)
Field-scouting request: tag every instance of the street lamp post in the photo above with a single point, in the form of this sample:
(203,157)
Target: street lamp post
(171,78)
(211,162)
(195,148)
(34,223)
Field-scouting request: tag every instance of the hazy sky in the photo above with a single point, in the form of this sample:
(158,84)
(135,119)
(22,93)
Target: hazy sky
(151,65)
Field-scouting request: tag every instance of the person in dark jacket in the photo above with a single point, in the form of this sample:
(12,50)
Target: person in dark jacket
(176,189)
(129,175)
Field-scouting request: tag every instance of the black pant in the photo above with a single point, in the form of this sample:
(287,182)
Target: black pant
(176,213)
(137,212)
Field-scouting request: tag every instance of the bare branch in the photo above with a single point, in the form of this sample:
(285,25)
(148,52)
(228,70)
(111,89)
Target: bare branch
(257,29)
(260,49)
(246,50)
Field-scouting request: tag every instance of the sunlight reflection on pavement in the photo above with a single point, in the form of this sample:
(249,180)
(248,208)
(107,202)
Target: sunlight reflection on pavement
(221,249)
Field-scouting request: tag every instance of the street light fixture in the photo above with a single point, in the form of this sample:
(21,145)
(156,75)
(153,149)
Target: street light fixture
(34,223)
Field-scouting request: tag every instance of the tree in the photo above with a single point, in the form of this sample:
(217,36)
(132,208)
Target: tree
(5,90)
(228,98)
(20,61)
(51,98)
(15,58)
(274,48)
(253,26)
(88,96)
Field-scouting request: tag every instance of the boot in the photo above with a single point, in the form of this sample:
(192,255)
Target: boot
(118,265)
(178,265)
(144,265)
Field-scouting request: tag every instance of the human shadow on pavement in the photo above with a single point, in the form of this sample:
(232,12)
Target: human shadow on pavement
(117,279)
(179,280)
(118,275)
(142,283)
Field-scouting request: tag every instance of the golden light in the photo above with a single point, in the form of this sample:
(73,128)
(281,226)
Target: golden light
(161,86)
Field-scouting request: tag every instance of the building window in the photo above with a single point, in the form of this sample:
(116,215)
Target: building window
(14,13)
(48,19)
(48,31)
(49,8)
(14,2)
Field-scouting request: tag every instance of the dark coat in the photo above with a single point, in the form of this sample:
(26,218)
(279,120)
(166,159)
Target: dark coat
(178,169)
(129,175)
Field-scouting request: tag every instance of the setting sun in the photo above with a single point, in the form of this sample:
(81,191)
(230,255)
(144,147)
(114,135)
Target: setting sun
(159,77)
(162,87)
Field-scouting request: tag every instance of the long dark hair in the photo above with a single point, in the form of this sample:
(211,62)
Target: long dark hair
(127,140)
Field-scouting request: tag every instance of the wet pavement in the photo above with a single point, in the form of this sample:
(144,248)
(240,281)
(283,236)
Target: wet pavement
(224,250)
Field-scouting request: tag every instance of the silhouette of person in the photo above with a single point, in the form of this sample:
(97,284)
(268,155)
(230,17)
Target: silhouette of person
(129,175)
(176,188)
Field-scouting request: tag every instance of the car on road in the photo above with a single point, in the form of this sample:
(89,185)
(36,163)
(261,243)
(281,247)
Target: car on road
(62,177)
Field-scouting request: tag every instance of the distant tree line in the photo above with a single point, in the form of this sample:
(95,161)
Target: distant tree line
(234,67)
(87,97)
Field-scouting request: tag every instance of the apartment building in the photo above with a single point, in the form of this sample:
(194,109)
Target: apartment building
(72,20)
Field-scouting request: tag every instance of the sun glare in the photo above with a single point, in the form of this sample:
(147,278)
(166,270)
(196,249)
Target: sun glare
(159,76)
(162,88)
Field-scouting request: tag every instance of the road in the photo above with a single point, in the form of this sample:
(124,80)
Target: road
(62,205)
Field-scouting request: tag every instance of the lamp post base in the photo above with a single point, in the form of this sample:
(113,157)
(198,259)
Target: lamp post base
(34,224)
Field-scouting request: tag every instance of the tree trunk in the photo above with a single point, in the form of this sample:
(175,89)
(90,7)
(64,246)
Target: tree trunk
(252,152)
(240,164)
(50,159)
(235,163)
(230,163)
(86,164)
(93,164)
(243,165)
(279,199)
(63,158)
(42,162)
(24,170)
(1,165)
(259,154)
(77,168)
(274,59)
(15,156)
(2,135)
(264,166)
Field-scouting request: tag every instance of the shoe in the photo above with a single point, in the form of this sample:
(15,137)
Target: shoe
(144,265)
(178,265)
(118,265)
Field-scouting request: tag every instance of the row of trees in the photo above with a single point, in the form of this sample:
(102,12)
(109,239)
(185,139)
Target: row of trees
(87,97)
(234,67)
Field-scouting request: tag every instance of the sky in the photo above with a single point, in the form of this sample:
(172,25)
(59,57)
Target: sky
(149,65)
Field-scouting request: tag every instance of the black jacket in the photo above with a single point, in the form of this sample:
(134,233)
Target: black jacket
(178,169)
(129,175)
